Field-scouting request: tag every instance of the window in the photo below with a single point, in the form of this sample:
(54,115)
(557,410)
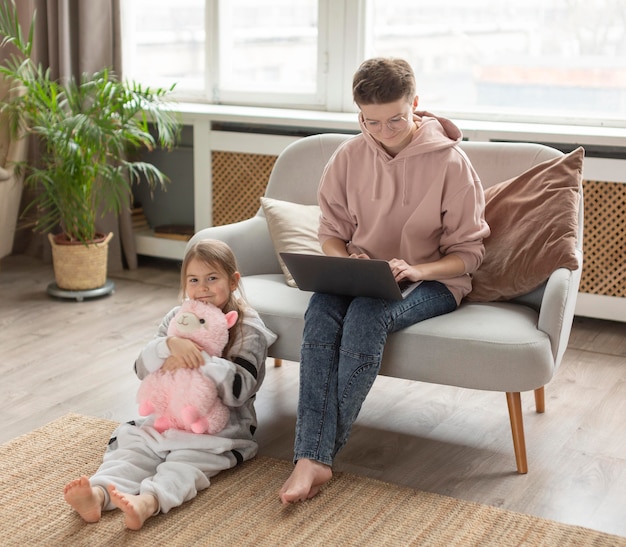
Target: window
(548,58)
(557,60)
(235,51)
(163,42)
(270,47)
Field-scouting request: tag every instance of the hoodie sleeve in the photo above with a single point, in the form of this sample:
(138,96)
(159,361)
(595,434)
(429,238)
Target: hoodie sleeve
(335,219)
(463,214)
(240,377)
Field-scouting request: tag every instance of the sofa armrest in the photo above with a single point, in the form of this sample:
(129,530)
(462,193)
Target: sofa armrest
(250,241)
(558,305)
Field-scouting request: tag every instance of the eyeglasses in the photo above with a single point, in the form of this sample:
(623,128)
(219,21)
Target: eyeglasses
(394,124)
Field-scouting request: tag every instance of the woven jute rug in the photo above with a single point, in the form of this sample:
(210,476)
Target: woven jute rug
(241,506)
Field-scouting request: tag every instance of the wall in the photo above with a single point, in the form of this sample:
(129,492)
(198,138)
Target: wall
(233,150)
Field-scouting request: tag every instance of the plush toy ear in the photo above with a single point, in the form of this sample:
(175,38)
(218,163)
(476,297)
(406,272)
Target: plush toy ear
(231,318)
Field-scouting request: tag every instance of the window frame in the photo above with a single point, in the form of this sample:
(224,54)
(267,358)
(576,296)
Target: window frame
(343,26)
(328,10)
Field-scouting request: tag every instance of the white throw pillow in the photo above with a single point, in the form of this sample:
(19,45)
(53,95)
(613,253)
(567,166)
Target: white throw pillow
(293,229)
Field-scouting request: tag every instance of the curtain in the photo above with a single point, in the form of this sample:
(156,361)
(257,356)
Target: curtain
(72,37)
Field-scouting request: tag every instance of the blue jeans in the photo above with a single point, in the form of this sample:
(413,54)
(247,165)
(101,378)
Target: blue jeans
(342,349)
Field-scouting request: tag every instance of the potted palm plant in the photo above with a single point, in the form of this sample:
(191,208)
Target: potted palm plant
(86,128)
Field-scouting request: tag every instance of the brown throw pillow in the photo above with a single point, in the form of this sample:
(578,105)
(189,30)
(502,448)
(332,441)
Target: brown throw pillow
(534,221)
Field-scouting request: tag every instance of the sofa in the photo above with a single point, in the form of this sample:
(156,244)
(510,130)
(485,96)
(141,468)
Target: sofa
(508,335)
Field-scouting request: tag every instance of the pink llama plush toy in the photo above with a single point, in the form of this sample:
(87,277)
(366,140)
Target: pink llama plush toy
(185,398)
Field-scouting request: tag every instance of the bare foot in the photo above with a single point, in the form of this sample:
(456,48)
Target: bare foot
(85,500)
(305,481)
(137,508)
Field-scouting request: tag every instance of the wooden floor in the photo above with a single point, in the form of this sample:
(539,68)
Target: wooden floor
(58,357)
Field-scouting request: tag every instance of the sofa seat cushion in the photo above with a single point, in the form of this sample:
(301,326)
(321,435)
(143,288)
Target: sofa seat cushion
(282,308)
(489,346)
(492,346)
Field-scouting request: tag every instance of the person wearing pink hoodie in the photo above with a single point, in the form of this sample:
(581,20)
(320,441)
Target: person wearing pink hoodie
(403,191)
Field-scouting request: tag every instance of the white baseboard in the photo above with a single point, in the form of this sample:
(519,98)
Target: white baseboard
(612,308)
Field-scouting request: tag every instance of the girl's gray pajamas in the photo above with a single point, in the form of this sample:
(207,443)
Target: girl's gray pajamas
(175,465)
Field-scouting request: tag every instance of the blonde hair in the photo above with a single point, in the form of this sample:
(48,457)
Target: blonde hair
(218,255)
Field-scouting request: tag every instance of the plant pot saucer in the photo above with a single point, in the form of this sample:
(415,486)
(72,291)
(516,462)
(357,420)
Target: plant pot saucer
(106,289)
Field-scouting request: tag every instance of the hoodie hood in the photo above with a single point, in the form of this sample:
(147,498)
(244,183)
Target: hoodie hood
(433,133)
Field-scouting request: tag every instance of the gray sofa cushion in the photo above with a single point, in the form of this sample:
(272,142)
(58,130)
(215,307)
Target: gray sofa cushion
(480,333)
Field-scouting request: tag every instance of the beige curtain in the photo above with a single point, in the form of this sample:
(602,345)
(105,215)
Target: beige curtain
(72,37)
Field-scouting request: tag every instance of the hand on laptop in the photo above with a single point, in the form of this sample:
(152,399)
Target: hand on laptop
(358,255)
(403,271)
(355,252)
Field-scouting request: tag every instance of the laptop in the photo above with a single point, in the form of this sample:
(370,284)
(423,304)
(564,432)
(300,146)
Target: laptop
(345,276)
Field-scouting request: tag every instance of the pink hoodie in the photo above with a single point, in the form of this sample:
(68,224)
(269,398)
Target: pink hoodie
(420,205)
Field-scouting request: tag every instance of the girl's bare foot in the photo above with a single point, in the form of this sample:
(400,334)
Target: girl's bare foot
(85,500)
(305,481)
(137,508)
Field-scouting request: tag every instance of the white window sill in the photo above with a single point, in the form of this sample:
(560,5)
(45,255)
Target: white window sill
(347,121)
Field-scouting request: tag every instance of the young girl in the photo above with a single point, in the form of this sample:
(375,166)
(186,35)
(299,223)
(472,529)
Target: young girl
(401,191)
(145,472)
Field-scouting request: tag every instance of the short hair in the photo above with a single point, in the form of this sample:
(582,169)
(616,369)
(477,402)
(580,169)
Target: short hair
(383,80)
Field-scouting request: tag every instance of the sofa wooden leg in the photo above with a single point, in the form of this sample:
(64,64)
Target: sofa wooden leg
(514,402)
(278,362)
(540,400)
